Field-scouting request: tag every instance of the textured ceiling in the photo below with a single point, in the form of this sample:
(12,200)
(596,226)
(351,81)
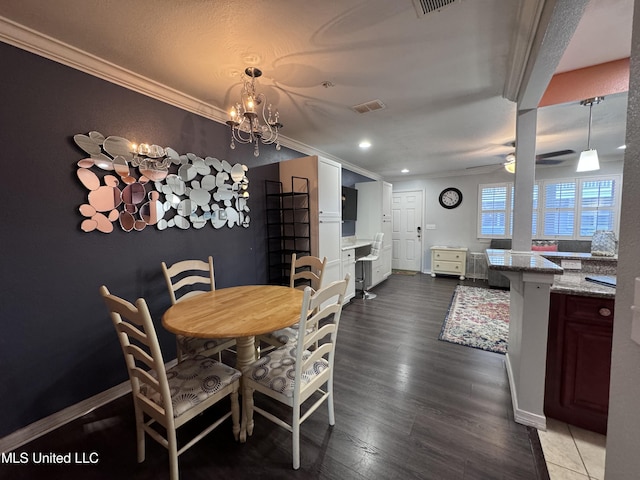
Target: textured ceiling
(440,76)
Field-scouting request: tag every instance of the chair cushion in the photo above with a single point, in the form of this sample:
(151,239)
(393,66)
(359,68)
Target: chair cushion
(192,381)
(286,335)
(276,370)
(194,346)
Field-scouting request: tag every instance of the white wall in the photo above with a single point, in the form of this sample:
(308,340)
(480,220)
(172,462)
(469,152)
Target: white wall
(458,227)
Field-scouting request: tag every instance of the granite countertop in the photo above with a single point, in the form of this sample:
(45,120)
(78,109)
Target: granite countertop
(564,281)
(506,260)
(574,283)
(576,256)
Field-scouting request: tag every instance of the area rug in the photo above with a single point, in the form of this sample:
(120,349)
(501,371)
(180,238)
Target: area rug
(478,318)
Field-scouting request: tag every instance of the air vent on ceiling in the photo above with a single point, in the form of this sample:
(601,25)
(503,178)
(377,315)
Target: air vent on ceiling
(369,106)
(427,6)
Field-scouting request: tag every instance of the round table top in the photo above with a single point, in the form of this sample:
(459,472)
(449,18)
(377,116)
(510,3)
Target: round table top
(235,312)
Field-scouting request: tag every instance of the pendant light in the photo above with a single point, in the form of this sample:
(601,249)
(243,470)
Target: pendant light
(589,157)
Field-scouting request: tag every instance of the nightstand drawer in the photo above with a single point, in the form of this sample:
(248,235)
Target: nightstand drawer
(448,267)
(449,256)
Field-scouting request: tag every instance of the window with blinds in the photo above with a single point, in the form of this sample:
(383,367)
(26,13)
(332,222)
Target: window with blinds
(569,208)
(493,203)
(559,209)
(597,206)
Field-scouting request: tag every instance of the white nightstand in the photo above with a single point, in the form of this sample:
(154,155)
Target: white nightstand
(449,261)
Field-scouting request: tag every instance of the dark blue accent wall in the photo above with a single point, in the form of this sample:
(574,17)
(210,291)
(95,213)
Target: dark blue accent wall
(57,344)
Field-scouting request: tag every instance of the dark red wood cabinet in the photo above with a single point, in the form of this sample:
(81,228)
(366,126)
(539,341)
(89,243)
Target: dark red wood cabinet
(579,360)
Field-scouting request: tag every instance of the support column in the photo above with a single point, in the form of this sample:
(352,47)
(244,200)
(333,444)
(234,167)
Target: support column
(527,354)
(526,125)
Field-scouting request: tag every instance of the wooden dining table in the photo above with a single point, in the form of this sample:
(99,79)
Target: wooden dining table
(239,312)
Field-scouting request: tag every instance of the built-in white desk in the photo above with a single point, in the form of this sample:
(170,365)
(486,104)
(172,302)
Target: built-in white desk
(356,244)
(352,249)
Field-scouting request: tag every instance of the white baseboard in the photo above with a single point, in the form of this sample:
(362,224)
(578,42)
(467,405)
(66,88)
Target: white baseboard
(523,417)
(69,414)
(50,423)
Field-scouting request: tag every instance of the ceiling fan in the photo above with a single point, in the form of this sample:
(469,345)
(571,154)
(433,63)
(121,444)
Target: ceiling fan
(549,158)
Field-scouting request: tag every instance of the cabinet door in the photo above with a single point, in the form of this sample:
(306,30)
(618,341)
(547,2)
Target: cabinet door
(349,266)
(579,360)
(329,188)
(330,247)
(387,253)
(387,192)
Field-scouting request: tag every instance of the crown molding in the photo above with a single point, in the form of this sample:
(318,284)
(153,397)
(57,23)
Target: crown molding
(37,43)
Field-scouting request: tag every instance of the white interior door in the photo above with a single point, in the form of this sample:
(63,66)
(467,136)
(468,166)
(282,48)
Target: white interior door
(407,230)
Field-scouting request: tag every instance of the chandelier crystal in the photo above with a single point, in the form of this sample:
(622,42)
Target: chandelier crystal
(244,116)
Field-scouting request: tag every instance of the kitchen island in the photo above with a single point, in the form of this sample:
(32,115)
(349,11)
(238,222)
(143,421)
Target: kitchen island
(556,310)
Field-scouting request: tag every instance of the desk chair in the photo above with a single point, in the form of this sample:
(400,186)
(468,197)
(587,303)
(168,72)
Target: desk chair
(372,257)
(169,398)
(293,373)
(184,280)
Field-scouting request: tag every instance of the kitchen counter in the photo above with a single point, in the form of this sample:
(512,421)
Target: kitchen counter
(508,261)
(564,281)
(574,283)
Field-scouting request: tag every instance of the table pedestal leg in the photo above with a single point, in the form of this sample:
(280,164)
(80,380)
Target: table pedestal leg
(245,356)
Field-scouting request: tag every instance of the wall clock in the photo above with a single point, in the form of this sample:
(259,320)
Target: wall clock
(450,197)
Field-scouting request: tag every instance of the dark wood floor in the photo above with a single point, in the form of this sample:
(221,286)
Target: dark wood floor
(408,406)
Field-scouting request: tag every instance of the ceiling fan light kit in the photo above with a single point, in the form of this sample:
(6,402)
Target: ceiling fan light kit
(510,164)
(589,157)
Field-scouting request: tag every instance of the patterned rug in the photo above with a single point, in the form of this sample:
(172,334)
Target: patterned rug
(478,318)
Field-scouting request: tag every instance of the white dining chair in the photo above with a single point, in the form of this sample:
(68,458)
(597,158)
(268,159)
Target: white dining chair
(305,271)
(185,279)
(293,373)
(168,397)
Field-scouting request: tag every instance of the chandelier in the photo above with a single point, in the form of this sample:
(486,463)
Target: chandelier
(244,116)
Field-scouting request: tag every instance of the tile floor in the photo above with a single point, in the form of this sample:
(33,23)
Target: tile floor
(572,453)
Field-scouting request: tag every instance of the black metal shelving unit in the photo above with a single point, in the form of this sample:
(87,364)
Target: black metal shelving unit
(288,226)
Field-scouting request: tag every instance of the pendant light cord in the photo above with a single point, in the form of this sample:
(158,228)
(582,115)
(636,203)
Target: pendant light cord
(589,135)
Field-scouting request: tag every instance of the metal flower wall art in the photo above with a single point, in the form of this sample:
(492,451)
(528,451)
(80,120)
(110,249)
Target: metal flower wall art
(146,185)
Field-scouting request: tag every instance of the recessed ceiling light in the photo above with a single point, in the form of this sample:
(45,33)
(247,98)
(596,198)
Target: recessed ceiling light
(404,170)
(622,147)
(364,144)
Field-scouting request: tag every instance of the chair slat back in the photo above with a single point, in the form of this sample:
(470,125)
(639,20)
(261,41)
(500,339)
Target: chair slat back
(142,354)
(376,247)
(307,268)
(188,273)
(326,315)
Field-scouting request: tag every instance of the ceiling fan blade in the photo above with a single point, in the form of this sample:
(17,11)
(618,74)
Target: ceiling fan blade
(557,153)
(549,161)
(486,168)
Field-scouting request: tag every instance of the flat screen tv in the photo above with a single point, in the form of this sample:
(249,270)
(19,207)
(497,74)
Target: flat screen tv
(349,204)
